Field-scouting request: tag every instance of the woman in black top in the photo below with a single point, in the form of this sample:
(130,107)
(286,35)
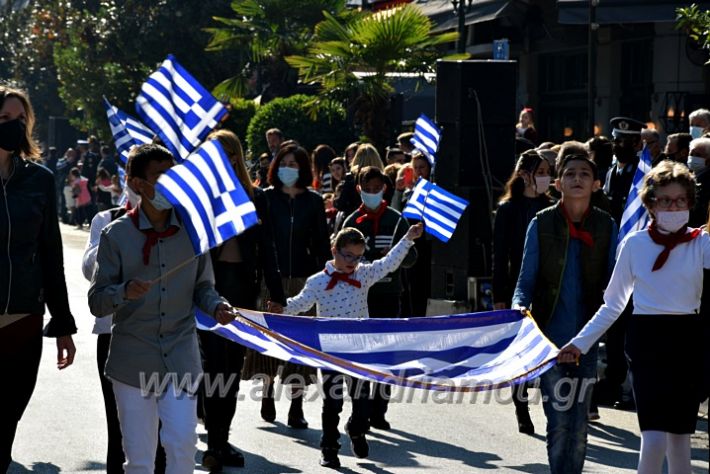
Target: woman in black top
(525,195)
(239,264)
(302,246)
(31,266)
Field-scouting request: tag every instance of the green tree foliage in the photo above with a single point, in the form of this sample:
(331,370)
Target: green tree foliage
(261,33)
(241,111)
(291,116)
(111,48)
(27,37)
(696,23)
(351,61)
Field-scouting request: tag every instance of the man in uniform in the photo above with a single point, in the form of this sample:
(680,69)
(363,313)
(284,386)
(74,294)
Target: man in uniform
(626,145)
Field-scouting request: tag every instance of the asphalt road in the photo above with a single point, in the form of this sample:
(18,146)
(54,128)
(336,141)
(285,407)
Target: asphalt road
(63,429)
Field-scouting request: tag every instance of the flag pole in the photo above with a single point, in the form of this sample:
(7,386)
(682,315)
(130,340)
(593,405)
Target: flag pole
(172,270)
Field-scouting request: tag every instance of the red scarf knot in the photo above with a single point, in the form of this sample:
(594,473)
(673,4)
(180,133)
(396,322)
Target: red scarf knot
(576,232)
(151,236)
(335,277)
(367,214)
(669,241)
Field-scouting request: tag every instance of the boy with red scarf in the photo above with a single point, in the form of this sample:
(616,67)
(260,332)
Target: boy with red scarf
(382,226)
(568,257)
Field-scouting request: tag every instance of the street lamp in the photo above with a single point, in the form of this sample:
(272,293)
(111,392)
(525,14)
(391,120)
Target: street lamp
(460,9)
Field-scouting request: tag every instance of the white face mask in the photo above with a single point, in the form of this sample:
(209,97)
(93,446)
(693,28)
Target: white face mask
(672,221)
(372,201)
(696,164)
(542,183)
(696,132)
(288,176)
(160,202)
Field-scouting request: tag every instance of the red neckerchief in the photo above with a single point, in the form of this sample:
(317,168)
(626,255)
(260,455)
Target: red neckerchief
(669,241)
(335,277)
(367,214)
(151,235)
(577,233)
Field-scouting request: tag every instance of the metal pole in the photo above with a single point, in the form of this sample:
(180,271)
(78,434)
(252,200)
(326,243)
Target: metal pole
(592,65)
(462,26)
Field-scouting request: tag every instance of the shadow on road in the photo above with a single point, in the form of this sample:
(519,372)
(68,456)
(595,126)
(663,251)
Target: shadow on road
(40,467)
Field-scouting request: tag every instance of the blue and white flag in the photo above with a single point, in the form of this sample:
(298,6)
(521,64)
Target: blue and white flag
(462,352)
(636,216)
(126,130)
(439,209)
(205,191)
(426,137)
(178,108)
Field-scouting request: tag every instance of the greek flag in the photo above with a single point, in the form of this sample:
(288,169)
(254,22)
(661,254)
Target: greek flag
(208,196)
(178,108)
(439,209)
(462,352)
(635,216)
(126,130)
(426,137)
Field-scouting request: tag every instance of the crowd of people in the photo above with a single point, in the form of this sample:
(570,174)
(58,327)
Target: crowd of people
(331,240)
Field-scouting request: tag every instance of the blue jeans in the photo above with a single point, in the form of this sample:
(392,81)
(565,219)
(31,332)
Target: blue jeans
(566,391)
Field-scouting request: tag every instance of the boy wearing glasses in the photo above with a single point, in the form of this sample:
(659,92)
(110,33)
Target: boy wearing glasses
(340,291)
(568,257)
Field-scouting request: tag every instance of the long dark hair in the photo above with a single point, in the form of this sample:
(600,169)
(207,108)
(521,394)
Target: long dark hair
(529,162)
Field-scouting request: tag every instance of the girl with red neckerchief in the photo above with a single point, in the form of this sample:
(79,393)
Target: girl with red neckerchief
(663,267)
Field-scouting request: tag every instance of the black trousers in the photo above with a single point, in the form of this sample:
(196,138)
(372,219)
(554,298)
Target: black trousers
(617,365)
(20,351)
(382,306)
(333,392)
(222,359)
(114,452)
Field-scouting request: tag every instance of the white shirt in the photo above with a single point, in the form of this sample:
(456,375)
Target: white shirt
(345,300)
(675,288)
(88,263)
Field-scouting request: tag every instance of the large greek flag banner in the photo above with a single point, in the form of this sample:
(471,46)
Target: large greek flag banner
(207,194)
(635,216)
(178,108)
(439,209)
(463,352)
(126,130)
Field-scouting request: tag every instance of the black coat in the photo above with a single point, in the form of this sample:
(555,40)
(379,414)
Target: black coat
(256,245)
(699,213)
(31,260)
(300,232)
(509,231)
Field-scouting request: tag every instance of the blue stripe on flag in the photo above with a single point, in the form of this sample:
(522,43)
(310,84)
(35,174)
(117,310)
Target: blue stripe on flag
(126,130)
(497,349)
(206,192)
(178,108)
(426,138)
(439,209)
(635,216)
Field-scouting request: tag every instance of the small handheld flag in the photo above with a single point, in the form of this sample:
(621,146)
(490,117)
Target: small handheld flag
(635,215)
(439,209)
(426,138)
(126,130)
(178,108)
(206,192)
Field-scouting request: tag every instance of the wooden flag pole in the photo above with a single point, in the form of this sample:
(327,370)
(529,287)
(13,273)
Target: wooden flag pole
(172,271)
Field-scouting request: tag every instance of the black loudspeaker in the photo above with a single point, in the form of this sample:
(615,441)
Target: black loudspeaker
(462,85)
(61,134)
(475,108)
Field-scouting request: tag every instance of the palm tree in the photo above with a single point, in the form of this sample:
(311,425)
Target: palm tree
(263,32)
(351,60)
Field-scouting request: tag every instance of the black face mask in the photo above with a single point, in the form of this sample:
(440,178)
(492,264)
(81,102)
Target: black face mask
(12,134)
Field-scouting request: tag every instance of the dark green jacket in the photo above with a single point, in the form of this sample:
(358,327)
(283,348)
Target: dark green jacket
(553,235)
